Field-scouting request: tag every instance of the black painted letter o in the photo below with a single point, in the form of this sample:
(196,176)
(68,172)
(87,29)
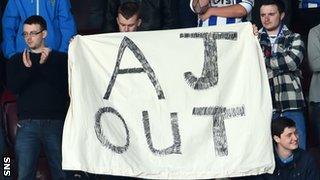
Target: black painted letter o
(102,138)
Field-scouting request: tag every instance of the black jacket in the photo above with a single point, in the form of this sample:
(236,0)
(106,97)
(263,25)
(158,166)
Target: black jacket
(303,167)
(155,14)
(42,90)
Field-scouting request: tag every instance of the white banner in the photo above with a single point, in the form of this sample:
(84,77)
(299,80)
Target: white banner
(175,104)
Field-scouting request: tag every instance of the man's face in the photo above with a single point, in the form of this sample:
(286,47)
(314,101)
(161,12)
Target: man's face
(271,18)
(34,36)
(288,140)
(128,25)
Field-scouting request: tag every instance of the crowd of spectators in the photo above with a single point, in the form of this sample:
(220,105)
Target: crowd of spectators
(65,18)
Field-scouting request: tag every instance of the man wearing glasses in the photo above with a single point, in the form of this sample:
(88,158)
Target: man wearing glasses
(39,78)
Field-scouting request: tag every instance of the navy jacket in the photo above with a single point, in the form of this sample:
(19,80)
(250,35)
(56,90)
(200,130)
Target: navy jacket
(303,167)
(42,90)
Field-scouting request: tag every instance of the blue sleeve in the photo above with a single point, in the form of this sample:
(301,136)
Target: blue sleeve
(10,26)
(66,23)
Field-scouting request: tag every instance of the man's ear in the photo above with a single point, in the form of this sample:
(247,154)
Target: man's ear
(282,15)
(276,139)
(139,22)
(45,33)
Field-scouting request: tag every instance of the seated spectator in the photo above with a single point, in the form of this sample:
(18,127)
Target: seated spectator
(283,52)
(213,13)
(128,18)
(39,78)
(291,161)
(314,91)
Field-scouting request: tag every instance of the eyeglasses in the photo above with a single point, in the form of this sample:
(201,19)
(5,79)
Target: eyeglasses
(32,33)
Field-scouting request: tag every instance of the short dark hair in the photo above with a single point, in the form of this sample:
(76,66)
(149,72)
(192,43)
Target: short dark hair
(278,3)
(35,19)
(279,124)
(129,9)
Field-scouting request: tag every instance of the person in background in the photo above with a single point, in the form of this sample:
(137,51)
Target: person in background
(314,90)
(213,13)
(128,18)
(155,14)
(57,13)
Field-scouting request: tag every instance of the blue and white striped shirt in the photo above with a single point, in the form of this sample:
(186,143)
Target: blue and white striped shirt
(215,20)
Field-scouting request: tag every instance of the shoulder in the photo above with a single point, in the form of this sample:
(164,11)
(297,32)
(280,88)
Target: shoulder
(296,37)
(263,31)
(58,54)
(297,40)
(288,33)
(57,58)
(293,38)
(315,30)
(305,158)
(15,57)
(15,60)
